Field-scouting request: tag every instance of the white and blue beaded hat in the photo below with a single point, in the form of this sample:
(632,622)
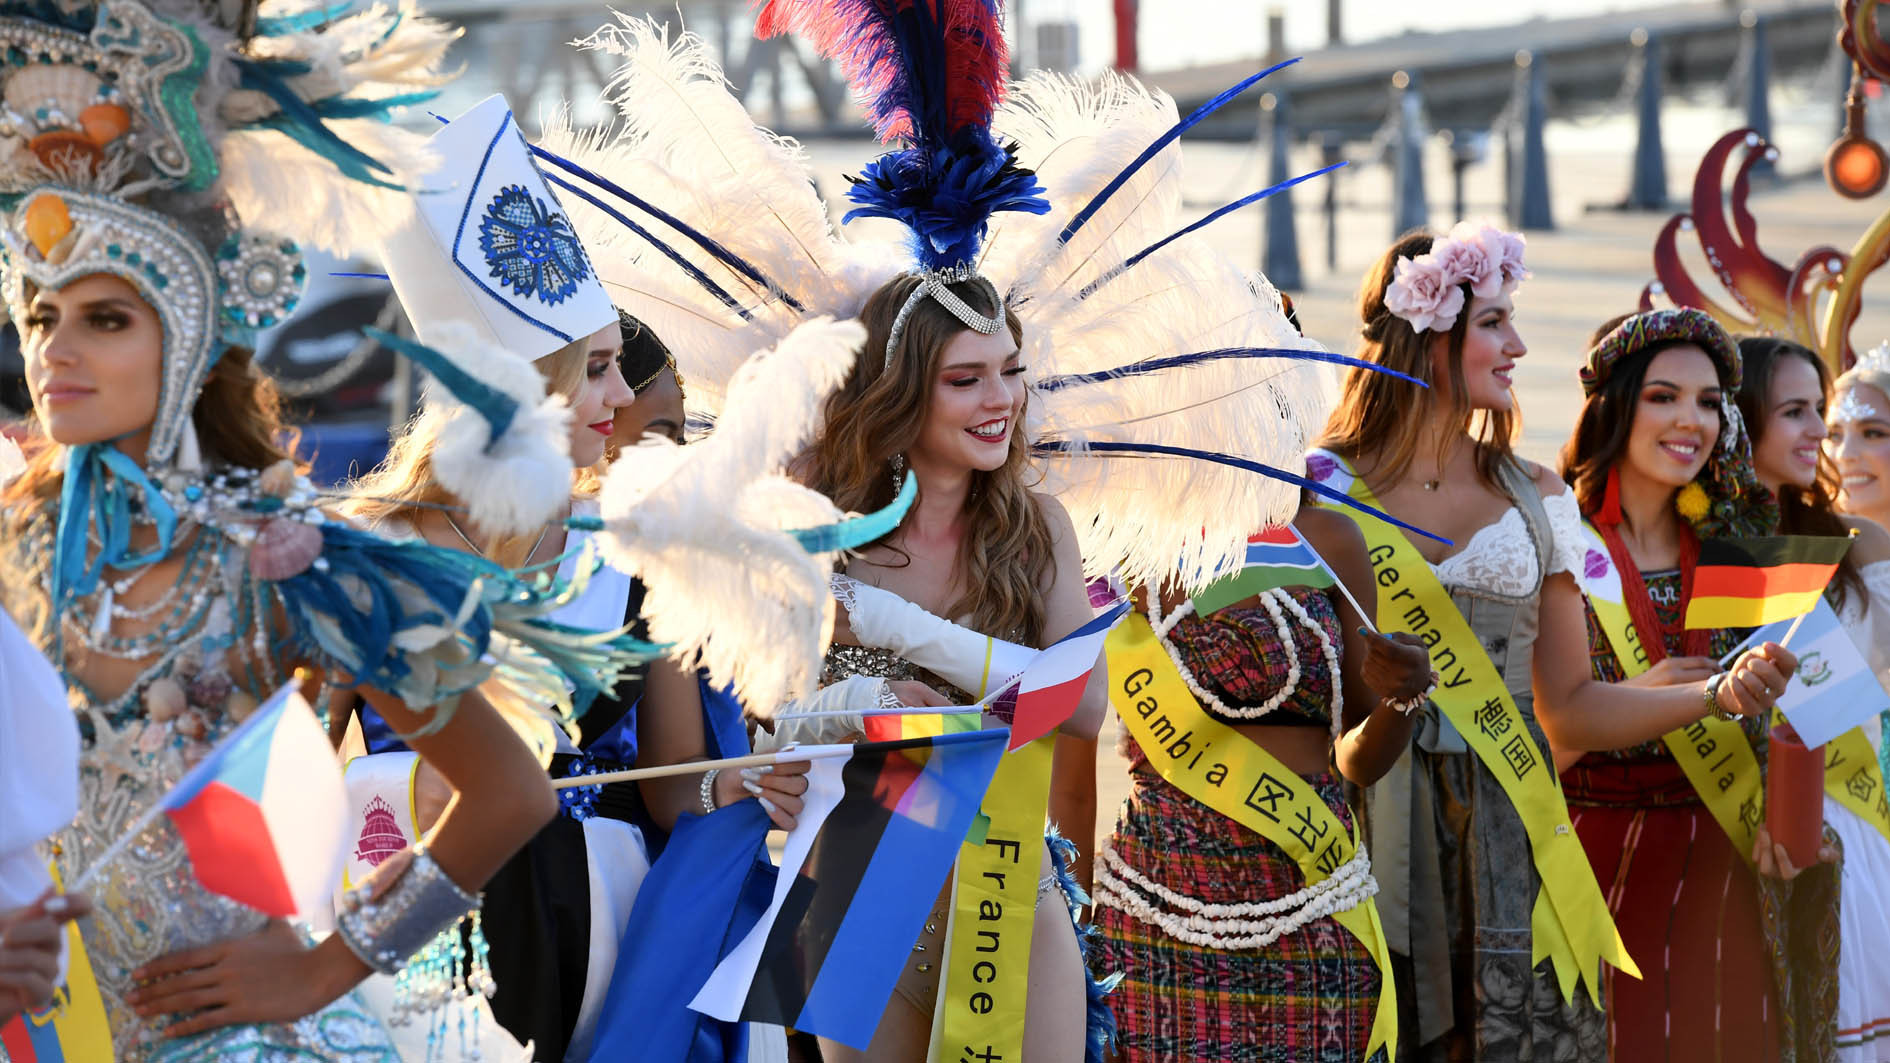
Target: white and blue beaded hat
(489,246)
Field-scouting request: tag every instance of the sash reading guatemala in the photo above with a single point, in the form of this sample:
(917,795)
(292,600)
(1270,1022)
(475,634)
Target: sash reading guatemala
(1231,774)
(1570,924)
(1713,753)
(1854,779)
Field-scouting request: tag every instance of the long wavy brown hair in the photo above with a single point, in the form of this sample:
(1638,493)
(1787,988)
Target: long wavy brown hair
(1801,510)
(1380,420)
(1004,557)
(238,418)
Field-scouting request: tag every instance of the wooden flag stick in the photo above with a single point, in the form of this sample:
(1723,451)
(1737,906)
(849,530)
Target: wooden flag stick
(695,767)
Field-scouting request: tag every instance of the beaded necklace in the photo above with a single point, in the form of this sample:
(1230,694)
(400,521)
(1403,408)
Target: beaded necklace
(1272,600)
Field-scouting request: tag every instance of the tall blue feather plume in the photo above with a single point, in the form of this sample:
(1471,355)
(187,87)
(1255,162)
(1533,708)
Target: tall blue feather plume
(1061,446)
(1176,361)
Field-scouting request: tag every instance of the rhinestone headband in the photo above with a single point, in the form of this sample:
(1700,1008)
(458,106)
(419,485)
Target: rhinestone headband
(1850,409)
(933,283)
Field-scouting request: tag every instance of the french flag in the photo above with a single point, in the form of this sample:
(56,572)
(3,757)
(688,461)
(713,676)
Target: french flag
(1047,691)
(264,816)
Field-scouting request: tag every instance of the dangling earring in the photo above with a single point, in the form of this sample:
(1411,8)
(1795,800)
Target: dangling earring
(898,472)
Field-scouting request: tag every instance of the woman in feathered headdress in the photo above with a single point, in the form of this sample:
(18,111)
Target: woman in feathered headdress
(553,912)
(1159,427)
(174,565)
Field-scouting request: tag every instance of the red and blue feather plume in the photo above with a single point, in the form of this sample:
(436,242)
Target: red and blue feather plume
(930,74)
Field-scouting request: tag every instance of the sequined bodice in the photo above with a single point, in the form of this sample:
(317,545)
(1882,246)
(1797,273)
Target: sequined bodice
(845,662)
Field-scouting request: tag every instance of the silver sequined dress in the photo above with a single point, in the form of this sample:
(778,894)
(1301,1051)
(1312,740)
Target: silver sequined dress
(147,902)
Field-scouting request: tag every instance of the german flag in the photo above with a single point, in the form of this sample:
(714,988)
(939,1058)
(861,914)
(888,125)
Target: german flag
(1753,582)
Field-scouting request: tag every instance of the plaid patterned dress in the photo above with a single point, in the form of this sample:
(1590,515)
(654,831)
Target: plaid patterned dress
(1310,995)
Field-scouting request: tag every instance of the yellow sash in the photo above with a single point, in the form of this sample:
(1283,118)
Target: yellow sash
(986,973)
(1243,782)
(77,1012)
(1714,753)
(1570,924)
(1854,779)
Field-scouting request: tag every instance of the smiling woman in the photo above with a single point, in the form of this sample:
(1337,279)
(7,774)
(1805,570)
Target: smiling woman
(1634,702)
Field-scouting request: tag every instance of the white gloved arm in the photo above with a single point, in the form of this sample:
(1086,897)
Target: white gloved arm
(848,696)
(958,655)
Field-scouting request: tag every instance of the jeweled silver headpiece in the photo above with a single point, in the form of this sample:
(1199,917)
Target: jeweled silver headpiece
(1872,368)
(135,136)
(933,283)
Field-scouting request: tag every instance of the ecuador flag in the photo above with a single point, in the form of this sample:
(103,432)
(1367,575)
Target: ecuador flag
(1752,582)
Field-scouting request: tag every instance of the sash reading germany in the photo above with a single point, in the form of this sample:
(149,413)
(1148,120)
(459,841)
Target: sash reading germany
(1243,782)
(1570,924)
(1713,753)
(986,966)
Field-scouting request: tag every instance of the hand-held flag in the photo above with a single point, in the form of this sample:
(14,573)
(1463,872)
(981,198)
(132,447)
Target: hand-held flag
(877,835)
(1753,582)
(1277,557)
(1833,689)
(263,816)
(1050,687)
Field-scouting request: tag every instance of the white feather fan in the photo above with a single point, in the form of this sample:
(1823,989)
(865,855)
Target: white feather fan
(509,485)
(704,525)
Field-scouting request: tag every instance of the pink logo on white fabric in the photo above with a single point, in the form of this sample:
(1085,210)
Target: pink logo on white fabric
(380,834)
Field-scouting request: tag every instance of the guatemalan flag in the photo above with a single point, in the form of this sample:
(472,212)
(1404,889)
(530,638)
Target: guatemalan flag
(881,825)
(264,816)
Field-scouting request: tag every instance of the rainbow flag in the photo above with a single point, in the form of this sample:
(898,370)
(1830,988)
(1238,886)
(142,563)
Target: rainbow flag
(1754,582)
(879,830)
(1277,557)
(264,816)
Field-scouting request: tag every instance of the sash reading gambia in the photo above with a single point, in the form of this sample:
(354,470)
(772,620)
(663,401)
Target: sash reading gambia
(1221,768)
(1714,753)
(1570,924)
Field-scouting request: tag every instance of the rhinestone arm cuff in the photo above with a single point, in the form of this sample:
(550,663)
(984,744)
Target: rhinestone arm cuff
(421,904)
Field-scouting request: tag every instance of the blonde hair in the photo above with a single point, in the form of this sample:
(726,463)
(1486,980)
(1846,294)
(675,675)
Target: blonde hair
(402,488)
(1380,419)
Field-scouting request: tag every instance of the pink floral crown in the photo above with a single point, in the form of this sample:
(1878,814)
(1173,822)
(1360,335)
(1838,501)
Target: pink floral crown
(1426,291)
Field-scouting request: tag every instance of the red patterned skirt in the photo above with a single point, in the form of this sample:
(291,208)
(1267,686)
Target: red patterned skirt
(1309,996)
(1688,909)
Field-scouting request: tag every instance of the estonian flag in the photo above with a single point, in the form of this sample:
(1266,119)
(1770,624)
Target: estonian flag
(1277,557)
(264,816)
(1753,582)
(879,831)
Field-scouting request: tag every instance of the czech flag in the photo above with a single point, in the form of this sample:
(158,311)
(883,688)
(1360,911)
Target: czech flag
(1277,557)
(1754,582)
(264,816)
(1049,688)
(880,829)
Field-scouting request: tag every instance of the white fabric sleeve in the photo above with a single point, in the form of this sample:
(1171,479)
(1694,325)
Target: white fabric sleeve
(1871,631)
(796,724)
(958,655)
(1565,524)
